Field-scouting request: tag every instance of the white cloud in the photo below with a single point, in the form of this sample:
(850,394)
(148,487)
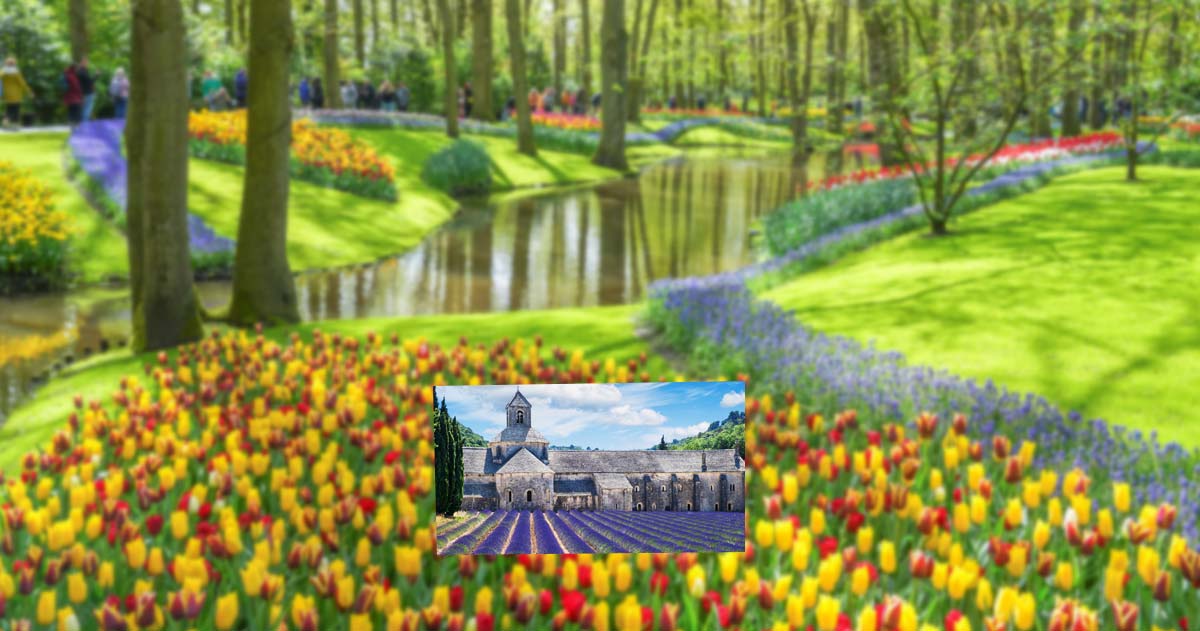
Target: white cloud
(733,399)
(628,415)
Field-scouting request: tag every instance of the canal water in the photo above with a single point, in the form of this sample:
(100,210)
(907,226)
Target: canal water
(595,245)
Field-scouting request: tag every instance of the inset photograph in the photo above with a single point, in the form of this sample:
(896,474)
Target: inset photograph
(583,468)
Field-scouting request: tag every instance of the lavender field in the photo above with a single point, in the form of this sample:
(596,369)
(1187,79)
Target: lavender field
(558,532)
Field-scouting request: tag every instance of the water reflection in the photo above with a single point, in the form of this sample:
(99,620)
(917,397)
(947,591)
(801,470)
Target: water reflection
(597,246)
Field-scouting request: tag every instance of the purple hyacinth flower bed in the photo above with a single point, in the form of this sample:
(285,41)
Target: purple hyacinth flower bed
(95,147)
(725,329)
(556,532)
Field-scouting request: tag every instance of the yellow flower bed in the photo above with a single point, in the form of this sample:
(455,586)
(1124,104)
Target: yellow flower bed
(32,232)
(14,349)
(324,155)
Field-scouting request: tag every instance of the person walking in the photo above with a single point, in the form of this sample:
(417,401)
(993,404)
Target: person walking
(349,95)
(209,88)
(468,100)
(402,97)
(535,100)
(305,93)
(318,94)
(118,91)
(387,96)
(72,96)
(87,85)
(241,87)
(15,90)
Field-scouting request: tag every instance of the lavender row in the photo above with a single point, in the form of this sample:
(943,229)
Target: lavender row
(459,526)
(497,540)
(521,541)
(600,541)
(643,541)
(642,524)
(702,524)
(467,542)
(544,539)
(570,540)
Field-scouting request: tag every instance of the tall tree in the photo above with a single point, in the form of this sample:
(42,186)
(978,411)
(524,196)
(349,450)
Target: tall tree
(1099,78)
(394,5)
(450,100)
(798,95)
(360,36)
(374,23)
(482,64)
(241,21)
(263,289)
(77,19)
(516,56)
(759,46)
(1076,42)
(329,49)
(229,22)
(585,60)
(1042,34)
(637,88)
(614,78)
(884,73)
(559,36)
(165,309)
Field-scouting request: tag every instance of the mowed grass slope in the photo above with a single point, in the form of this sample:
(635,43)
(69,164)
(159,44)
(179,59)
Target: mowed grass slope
(97,247)
(1086,291)
(600,332)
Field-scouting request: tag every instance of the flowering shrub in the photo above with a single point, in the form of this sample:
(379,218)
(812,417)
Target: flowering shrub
(97,160)
(462,168)
(245,483)
(33,234)
(1187,130)
(324,156)
(569,122)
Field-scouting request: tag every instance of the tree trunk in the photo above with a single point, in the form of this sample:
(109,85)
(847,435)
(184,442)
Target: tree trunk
(394,5)
(329,49)
(1096,95)
(1043,33)
(360,36)
(838,62)
(263,289)
(427,11)
(691,60)
(614,75)
(676,49)
(450,102)
(241,21)
(559,43)
(635,78)
(585,32)
(722,53)
(965,45)
(165,309)
(516,56)
(884,77)
(374,23)
(228,22)
(760,70)
(1075,46)
(637,87)
(483,67)
(790,69)
(77,18)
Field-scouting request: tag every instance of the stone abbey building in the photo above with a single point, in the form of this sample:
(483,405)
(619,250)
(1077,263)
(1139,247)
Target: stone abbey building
(518,470)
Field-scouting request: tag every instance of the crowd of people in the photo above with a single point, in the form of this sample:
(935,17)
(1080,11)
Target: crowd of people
(76,86)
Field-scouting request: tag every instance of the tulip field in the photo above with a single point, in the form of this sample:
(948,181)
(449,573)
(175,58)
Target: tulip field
(245,483)
(585,532)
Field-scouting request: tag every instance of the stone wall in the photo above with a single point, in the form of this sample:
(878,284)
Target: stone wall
(574,501)
(525,491)
(682,492)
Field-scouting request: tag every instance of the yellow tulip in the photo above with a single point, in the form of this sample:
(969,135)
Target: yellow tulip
(868,620)
(624,576)
(828,610)
(795,610)
(887,557)
(1121,496)
(1025,612)
(1064,576)
(227,611)
(728,562)
(46,607)
(785,534)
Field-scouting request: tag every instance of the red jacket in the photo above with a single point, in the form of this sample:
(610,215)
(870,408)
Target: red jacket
(73,94)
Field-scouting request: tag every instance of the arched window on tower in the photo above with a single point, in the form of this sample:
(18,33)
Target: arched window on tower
(520,417)
(528,495)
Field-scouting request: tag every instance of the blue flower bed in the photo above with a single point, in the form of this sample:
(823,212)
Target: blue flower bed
(96,151)
(725,329)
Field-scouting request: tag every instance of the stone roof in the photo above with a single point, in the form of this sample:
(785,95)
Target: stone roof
(612,481)
(519,434)
(582,485)
(524,462)
(476,461)
(520,399)
(644,461)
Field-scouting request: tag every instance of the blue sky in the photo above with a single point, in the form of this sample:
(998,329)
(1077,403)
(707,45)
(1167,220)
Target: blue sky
(603,416)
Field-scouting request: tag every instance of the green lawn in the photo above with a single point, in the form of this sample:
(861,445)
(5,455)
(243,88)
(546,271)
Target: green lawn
(600,332)
(97,247)
(1086,291)
(701,136)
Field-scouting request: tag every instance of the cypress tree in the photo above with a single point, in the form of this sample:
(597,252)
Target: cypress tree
(456,465)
